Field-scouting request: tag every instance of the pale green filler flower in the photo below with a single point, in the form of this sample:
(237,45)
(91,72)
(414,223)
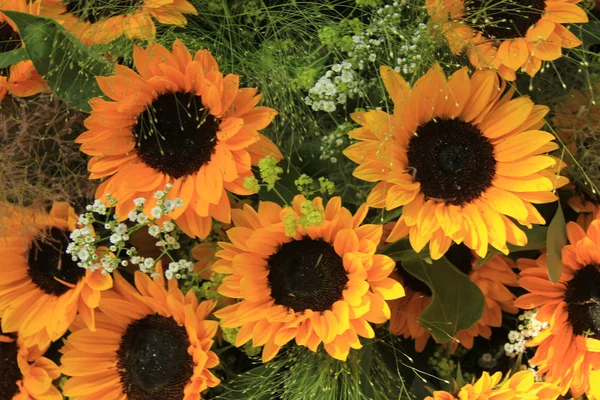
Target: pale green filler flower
(269,171)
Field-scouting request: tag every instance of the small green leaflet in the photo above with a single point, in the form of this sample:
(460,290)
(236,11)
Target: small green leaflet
(12,57)
(556,240)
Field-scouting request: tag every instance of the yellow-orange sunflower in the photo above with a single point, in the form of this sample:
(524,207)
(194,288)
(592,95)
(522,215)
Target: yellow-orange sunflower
(507,35)
(520,386)
(20,79)
(459,157)
(41,288)
(176,121)
(101,21)
(150,343)
(568,351)
(492,278)
(24,373)
(324,284)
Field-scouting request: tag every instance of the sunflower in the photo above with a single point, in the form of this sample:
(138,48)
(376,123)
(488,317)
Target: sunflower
(491,277)
(588,210)
(520,386)
(20,79)
(459,157)
(323,283)
(150,343)
(24,373)
(568,351)
(577,123)
(177,121)
(507,35)
(101,21)
(41,288)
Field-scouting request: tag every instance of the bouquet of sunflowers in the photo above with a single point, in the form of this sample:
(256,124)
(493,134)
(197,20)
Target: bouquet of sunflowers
(298,199)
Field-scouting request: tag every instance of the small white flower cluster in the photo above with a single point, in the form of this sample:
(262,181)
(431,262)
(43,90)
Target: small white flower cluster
(177,269)
(333,143)
(344,80)
(84,246)
(412,50)
(335,87)
(528,328)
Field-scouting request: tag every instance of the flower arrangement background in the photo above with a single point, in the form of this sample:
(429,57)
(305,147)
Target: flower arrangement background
(346,199)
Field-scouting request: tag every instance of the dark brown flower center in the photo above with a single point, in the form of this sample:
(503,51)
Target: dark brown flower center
(9,38)
(582,296)
(93,11)
(153,360)
(452,161)
(10,372)
(306,274)
(48,260)
(461,257)
(176,135)
(503,19)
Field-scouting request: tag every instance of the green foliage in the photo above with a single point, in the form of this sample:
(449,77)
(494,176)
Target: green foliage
(456,303)
(66,64)
(556,240)
(299,373)
(308,187)
(402,250)
(536,240)
(12,57)
(269,171)
(284,188)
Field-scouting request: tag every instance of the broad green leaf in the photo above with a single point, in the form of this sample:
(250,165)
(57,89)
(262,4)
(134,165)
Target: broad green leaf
(12,57)
(456,303)
(69,67)
(589,33)
(401,250)
(556,240)
(536,240)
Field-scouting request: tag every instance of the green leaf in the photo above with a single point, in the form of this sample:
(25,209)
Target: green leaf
(456,303)
(12,57)
(589,33)
(556,240)
(401,250)
(536,240)
(69,67)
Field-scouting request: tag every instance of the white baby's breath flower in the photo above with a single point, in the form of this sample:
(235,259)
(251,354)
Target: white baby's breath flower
(156,212)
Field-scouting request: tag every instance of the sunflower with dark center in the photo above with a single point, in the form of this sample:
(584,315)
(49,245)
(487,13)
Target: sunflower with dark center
(507,35)
(460,158)
(20,79)
(323,285)
(152,343)
(41,288)
(102,21)
(178,121)
(577,122)
(520,385)
(568,350)
(493,278)
(24,372)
